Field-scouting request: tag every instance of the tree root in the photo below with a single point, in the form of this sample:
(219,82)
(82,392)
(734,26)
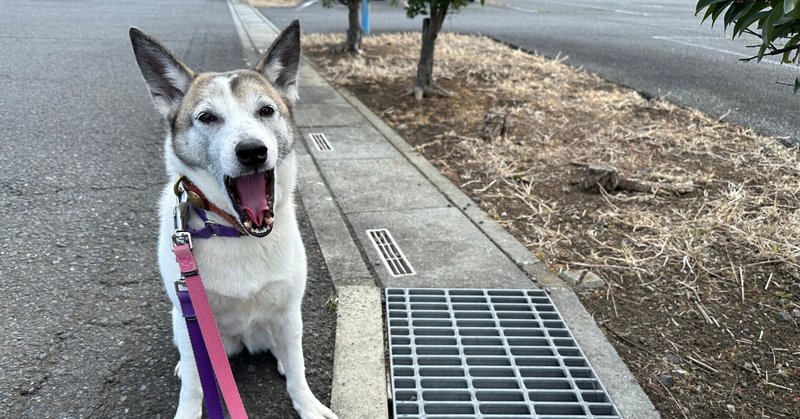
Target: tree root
(343,47)
(609,178)
(433,90)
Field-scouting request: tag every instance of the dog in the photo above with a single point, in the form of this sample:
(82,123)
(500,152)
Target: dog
(232,135)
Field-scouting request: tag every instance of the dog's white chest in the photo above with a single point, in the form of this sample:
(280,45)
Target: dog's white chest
(240,318)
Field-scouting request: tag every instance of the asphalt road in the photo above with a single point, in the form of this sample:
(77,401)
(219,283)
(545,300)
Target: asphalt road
(657,47)
(85,324)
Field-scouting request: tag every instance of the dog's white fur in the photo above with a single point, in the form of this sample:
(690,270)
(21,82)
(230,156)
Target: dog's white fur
(255,285)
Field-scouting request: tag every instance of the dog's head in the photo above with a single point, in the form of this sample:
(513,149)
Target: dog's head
(228,132)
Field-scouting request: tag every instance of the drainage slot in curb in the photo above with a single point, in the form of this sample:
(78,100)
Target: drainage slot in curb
(486,353)
(393,258)
(320,141)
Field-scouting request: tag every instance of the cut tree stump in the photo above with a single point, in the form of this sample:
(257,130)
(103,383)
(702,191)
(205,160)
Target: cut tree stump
(609,178)
(493,125)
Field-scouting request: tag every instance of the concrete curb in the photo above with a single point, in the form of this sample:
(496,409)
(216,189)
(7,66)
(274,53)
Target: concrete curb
(359,372)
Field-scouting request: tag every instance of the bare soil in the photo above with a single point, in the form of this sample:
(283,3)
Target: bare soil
(699,286)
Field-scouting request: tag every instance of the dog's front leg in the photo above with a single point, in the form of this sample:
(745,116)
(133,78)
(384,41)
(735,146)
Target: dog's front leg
(190,404)
(288,334)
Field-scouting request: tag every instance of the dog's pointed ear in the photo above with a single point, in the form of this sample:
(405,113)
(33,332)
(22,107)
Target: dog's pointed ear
(281,62)
(167,77)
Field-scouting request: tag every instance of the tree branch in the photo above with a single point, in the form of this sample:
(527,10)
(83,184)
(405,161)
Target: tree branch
(758,35)
(752,32)
(773,51)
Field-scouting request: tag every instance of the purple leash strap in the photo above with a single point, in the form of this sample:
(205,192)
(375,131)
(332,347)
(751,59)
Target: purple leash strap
(201,359)
(211,228)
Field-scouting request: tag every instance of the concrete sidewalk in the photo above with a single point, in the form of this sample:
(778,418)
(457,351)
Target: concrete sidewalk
(370,179)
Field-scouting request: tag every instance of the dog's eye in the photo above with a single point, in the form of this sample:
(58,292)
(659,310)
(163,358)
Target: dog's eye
(207,118)
(266,111)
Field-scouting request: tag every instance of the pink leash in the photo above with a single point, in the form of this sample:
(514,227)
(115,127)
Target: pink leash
(208,327)
(190,277)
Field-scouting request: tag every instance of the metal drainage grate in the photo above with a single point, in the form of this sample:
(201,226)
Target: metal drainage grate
(390,252)
(320,141)
(477,353)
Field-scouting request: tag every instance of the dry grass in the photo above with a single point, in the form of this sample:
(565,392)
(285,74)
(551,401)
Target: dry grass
(273,3)
(700,275)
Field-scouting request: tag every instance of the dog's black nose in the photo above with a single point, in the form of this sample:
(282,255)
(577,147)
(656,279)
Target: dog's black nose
(251,153)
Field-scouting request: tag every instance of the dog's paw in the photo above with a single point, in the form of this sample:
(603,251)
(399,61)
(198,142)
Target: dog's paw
(315,410)
(177,372)
(190,413)
(281,370)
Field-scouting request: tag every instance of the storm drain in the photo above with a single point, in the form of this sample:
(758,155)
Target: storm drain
(393,258)
(478,353)
(320,141)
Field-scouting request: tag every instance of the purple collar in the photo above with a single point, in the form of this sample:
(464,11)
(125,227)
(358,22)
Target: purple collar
(210,228)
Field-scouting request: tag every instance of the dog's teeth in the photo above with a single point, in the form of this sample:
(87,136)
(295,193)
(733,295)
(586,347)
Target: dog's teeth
(248,224)
(269,221)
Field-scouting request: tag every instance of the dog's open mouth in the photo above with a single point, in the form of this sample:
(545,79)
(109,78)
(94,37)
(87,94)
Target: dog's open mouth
(253,198)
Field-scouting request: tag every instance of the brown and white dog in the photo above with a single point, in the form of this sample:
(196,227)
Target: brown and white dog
(232,135)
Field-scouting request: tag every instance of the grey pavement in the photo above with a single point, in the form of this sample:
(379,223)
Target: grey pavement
(657,47)
(85,323)
(372,179)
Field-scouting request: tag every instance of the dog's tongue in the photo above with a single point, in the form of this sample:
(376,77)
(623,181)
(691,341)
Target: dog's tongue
(252,192)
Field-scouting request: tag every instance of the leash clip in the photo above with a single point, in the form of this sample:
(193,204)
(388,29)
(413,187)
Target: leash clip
(180,215)
(182,237)
(178,188)
(180,286)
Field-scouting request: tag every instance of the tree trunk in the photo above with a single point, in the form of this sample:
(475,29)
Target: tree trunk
(430,31)
(353,43)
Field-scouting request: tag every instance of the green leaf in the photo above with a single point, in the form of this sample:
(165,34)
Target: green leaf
(720,7)
(790,43)
(761,50)
(745,21)
(789,5)
(736,11)
(702,4)
(797,85)
(768,34)
(708,13)
(783,20)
